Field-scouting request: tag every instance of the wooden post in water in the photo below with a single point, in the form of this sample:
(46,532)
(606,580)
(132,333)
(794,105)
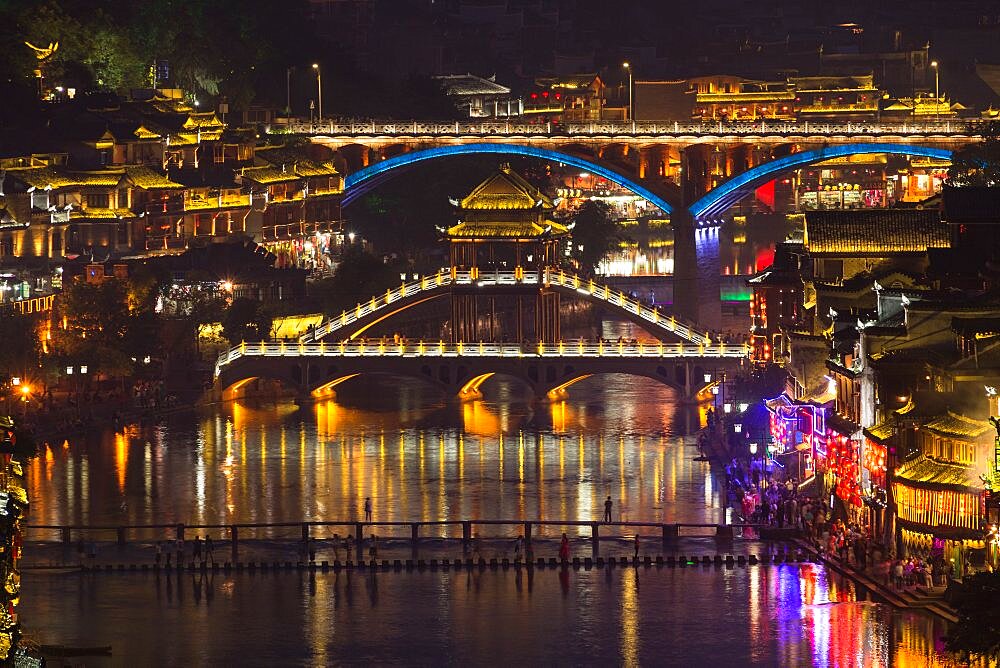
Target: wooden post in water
(669,532)
(359,538)
(466,535)
(527,533)
(234,537)
(415,534)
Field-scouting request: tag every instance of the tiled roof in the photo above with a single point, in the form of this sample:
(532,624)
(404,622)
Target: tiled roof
(470,84)
(875,231)
(268,175)
(48,177)
(42,177)
(505,230)
(952,424)
(881,432)
(150,179)
(96,213)
(506,190)
(929,472)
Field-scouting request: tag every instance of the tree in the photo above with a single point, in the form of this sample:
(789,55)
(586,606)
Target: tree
(19,351)
(359,276)
(108,325)
(978,164)
(978,629)
(246,320)
(595,235)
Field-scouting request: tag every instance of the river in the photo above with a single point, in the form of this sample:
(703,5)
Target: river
(421,458)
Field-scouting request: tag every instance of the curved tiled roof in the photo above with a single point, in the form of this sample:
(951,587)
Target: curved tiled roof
(929,472)
(952,424)
(875,231)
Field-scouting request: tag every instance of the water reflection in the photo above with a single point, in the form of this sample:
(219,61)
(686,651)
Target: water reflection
(500,457)
(419,457)
(677,617)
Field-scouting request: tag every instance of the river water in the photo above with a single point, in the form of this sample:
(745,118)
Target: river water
(421,458)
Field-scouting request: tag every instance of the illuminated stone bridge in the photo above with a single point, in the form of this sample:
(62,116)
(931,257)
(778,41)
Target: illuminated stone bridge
(315,369)
(688,170)
(351,324)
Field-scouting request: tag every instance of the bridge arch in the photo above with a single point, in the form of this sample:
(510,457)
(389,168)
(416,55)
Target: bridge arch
(363,180)
(352,324)
(714,203)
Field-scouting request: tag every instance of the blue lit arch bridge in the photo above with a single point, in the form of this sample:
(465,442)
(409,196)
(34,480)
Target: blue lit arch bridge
(315,369)
(688,170)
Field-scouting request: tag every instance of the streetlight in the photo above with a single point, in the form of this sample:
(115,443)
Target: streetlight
(319,90)
(631,111)
(937,92)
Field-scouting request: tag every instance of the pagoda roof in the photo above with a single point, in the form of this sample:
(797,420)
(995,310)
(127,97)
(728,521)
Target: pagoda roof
(506,190)
(505,230)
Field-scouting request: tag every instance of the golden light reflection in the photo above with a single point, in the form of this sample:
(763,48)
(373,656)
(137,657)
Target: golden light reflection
(630,617)
(477,418)
(121,458)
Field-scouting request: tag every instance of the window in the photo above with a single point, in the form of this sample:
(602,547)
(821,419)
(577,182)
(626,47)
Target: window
(123,198)
(98,201)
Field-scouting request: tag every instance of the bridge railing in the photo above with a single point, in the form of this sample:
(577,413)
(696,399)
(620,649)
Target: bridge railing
(384,128)
(439,349)
(588,287)
(617,298)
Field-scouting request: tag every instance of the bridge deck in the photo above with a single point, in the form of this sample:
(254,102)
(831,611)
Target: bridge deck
(957,128)
(423,349)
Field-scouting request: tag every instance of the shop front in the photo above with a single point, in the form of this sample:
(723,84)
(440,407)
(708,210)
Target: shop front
(797,433)
(939,511)
(843,469)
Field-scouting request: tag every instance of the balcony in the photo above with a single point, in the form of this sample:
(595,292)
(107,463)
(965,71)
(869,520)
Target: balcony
(197,203)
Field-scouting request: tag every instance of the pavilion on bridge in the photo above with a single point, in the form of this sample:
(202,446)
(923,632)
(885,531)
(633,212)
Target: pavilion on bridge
(505,225)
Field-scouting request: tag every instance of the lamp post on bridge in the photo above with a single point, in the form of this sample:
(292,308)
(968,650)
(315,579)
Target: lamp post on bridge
(631,110)
(937,92)
(319,90)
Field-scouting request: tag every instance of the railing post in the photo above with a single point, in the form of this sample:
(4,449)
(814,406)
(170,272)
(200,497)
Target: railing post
(121,535)
(66,537)
(305,532)
(595,534)
(234,539)
(359,539)
(466,534)
(180,532)
(527,533)
(415,534)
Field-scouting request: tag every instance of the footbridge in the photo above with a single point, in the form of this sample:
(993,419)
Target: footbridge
(349,325)
(315,369)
